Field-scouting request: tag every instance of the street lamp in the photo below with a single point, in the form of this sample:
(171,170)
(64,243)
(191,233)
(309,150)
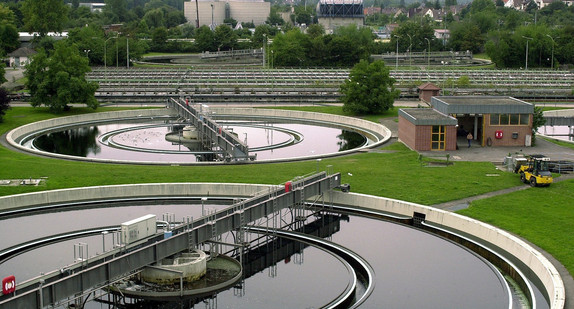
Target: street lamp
(397,53)
(264,48)
(87,51)
(527,39)
(410,51)
(552,63)
(428,53)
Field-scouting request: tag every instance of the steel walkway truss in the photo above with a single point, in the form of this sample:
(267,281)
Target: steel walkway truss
(81,279)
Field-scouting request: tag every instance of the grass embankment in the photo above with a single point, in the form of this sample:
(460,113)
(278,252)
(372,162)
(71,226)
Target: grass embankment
(542,215)
(396,174)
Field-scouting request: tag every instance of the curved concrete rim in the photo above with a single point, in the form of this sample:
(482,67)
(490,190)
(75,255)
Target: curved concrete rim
(374,131)
(538,264)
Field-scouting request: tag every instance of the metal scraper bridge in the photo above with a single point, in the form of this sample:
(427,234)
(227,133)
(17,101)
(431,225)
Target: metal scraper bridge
(212,135)
(93,273)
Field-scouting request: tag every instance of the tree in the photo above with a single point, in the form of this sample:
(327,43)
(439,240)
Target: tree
(466,36)
(58,79)
(6,15)
(4,103)
(43,16)
(205,39)
(115,10)
(225,37)
(315,30)
(369,89)
(2,72)
(274,17)
(290,49)
(159,37)
(9,38)
(538,120)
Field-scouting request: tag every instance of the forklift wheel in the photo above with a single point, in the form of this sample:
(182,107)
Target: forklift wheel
(533,181)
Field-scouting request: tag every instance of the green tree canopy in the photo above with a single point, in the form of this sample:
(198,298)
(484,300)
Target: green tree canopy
(2,73)
(9,38)
(43,16)
(205,39)
(225,37)
(466,36)
(58,79)
(4,102)
(369,89)
(290,49)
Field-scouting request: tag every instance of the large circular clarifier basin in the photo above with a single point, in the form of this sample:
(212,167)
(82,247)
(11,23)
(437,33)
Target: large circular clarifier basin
(156,136)
(419,270)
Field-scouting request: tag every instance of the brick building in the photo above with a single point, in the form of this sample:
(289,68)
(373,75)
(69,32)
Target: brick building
(427,91)
(492,120)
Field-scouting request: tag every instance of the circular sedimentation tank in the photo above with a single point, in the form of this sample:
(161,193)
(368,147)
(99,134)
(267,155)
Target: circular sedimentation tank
(156,136)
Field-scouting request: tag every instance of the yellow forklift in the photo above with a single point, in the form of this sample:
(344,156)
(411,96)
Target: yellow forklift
(534,170)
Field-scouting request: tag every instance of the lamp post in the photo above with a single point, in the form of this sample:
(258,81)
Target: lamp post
(397,53)
(410,46)
(87,51)
(552,63)
(264,48)
(527,39)
(428,53)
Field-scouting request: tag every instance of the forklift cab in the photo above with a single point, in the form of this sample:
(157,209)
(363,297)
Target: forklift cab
(538,165)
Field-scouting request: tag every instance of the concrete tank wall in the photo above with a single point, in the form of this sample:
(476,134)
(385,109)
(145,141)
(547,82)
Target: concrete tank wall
(538,264)
(374,131)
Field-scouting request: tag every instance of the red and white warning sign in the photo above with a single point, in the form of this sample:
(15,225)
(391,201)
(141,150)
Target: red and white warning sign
(8,285)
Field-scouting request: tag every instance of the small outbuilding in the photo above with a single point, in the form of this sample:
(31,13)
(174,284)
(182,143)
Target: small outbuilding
(21,57)
(492,121)
(427,91)
(425,129)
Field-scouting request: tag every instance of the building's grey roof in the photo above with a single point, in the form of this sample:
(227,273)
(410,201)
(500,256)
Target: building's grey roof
(429,86)
(427,117)
(22,52)
(481,105)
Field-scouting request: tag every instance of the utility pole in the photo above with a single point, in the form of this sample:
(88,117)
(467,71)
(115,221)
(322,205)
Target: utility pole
(197,14)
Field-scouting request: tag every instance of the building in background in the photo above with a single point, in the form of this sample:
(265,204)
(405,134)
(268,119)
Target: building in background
(492,120)
(213,13)
(336,13)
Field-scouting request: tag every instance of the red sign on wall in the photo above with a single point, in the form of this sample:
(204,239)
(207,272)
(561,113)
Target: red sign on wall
(8,285)
(498,134)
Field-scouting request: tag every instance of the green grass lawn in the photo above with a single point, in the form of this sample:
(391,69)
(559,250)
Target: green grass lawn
(542,215)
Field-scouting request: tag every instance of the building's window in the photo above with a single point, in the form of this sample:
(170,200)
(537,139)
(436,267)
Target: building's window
(494,119)
(509,119)
(438,138)
(524,119)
